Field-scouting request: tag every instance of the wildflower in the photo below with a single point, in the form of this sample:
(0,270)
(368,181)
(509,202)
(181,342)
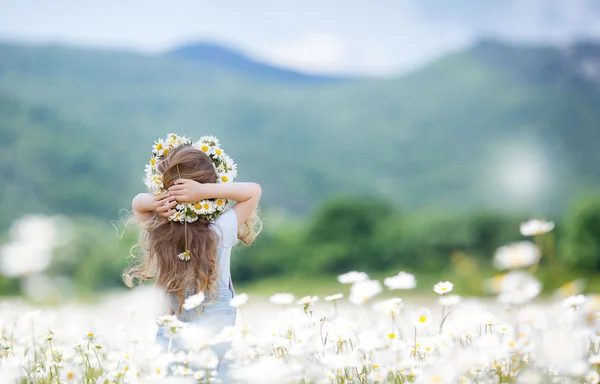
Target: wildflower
(337,296)
(207,359)
(594,359)
(389,307)
(518,287)
(402,280)
(592,377)
(362,291)
(517,255)
(193,301)
(489,319)
(352,277)
(450,300)
(536,227)
(504,328)
(443,288)
(282,299)
(308,300)
(421,317)
(239,300)
(574,301)
(185,256)
(70,373)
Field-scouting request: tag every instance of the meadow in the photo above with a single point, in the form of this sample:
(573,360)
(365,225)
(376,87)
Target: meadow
(374,332)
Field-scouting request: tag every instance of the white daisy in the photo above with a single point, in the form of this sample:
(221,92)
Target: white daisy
(203,207)
(228,162)
(337,296)
(421,317)
(402,280)
(592,377)
(443,287)
(185,256)
(158,148)
(489,319)
(220,204)
(226,177)
(517,255)
(239,300)
(156,180)
(389,307)
(204,147)
(362,291)
(193,301)
(217,152)
(536,227)
(282,299)
(177,216)
(518,287)
(208,359)
(209,139)
(308,300)
(352,277)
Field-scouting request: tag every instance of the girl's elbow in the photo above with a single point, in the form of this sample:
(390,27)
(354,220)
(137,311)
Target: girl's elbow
(257,190)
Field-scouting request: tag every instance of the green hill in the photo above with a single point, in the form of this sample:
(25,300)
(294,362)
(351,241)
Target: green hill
(475,129)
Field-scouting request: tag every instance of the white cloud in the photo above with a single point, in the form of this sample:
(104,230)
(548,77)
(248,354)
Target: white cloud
(313,52)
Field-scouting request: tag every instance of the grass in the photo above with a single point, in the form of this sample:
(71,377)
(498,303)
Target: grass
(466,282)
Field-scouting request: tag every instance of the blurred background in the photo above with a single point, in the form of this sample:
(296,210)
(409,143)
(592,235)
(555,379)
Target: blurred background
(393,135)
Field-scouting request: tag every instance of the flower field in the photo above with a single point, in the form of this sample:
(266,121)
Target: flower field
(370,336)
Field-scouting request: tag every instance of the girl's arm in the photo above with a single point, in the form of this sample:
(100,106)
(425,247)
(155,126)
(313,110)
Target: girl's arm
(144,205)
(246,195)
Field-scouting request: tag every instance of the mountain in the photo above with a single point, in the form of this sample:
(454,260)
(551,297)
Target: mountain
(576,65)
(229,59)
(49,164)
(495,126)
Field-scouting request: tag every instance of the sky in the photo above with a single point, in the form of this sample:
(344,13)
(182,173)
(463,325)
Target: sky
(348,37)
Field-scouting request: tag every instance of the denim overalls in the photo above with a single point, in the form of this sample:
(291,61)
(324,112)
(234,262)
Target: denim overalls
(212,318)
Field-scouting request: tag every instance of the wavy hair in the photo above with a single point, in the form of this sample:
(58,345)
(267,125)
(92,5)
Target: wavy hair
(162,240)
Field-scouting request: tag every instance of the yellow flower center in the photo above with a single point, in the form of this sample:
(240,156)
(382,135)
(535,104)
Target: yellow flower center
(206,206)
(391,336)
(422,319)
(204,148)
(153,161)
(198,206)
(71,375)
(219,203)
(444,288)
(219,152)
(159,146)
(375,366)
(165,152)
(224,178)
(90,335)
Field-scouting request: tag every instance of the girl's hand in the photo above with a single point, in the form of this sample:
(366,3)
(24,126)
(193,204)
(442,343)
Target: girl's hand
(188,191)
(165,204)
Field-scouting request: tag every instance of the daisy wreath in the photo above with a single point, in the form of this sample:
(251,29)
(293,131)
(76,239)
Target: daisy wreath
(185,213)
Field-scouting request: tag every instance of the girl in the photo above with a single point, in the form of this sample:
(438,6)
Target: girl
(189,176)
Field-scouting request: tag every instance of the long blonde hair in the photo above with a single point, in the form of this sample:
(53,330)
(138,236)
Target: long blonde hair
(162,240)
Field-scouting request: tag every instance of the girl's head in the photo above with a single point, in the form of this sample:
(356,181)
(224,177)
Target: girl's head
(163,240)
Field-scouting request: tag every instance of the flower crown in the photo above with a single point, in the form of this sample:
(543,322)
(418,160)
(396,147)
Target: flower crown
(224,166)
